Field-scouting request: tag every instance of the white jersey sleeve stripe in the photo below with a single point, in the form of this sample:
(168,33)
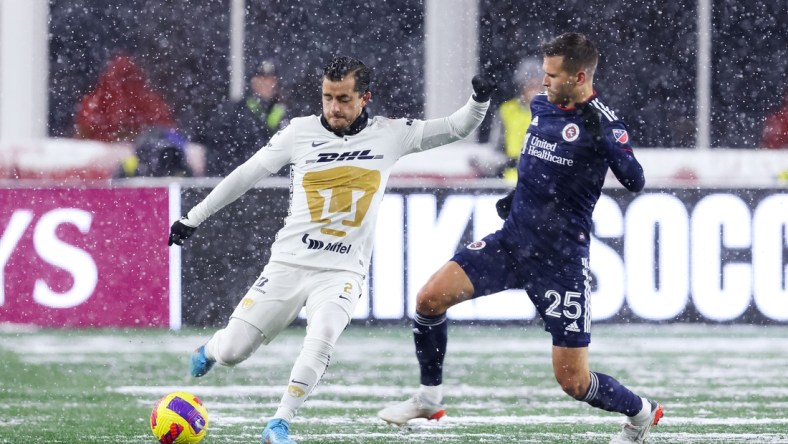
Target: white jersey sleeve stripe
(604,110)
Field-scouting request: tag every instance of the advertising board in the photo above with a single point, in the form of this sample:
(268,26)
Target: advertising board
(93,257)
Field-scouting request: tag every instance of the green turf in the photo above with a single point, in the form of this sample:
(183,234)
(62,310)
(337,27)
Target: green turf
(719,384)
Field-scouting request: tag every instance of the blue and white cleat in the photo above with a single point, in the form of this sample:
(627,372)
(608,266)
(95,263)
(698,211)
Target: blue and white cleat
(200,364)
(277,431)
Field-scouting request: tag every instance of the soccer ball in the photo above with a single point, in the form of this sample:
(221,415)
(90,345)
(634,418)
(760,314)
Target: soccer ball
(179,418)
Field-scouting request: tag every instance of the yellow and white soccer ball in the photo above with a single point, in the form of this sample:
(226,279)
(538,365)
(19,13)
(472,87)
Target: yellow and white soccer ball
(179,418)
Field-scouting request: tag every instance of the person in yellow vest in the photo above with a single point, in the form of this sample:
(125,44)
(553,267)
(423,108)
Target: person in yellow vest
(237,128)
(514,115)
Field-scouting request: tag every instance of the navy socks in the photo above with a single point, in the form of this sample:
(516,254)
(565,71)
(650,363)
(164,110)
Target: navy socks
(430,333)
(608,394)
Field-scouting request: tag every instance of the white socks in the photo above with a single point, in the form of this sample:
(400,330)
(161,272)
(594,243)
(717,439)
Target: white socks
(432,393)
(323,330)
(643,415)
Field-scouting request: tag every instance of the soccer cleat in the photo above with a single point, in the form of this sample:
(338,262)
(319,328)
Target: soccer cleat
(200,364)
(415,407)
(637,433)
(277,431)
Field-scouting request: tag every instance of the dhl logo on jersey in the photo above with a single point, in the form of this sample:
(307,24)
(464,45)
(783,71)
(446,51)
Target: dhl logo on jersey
(345,156)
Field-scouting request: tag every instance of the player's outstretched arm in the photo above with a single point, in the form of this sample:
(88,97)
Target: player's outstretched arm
(627,169)
(227,191)
(619,156)
(179,232)
(483,88)
(462,122)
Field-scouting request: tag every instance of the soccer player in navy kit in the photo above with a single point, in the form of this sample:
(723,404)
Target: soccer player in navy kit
(543,246)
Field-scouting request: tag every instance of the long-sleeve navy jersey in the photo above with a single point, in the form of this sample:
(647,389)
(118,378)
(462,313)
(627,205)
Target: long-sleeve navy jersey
(560,175)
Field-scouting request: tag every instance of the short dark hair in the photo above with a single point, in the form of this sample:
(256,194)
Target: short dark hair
(339,67)
(578,51)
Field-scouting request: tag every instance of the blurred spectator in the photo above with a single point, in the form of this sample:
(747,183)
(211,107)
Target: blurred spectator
(682,132)
(514,116)
(241,128)
(775,130)
(121,105)
(159,152)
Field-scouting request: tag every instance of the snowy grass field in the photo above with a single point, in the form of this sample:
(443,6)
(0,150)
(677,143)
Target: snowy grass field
(718,383)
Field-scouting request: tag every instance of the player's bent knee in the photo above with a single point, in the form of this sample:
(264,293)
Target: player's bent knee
(431,304)
(236,342)
(447,287)
(233,353)
(231,357)
(434,300)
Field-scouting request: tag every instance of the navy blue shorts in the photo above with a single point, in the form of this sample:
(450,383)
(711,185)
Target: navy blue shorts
(561,295)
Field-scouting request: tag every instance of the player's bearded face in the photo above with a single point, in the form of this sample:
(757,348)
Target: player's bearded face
(341,103)
(559,83)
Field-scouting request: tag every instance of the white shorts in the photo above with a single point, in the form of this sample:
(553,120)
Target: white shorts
(282,290)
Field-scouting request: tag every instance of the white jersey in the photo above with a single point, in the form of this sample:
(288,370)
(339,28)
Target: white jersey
(337,183)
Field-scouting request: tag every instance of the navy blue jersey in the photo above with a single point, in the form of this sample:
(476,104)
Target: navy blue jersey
(560,176)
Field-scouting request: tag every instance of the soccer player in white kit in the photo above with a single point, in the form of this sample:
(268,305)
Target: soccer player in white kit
(340,162)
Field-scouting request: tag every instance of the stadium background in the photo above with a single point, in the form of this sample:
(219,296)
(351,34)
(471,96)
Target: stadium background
(647,69)
(648,72)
